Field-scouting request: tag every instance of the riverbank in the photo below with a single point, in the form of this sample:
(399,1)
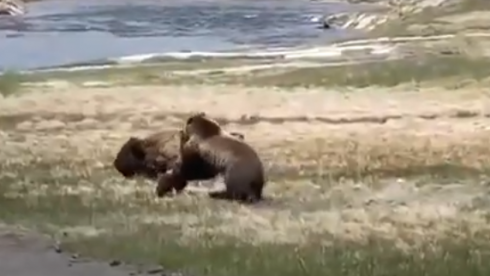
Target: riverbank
(447,60)
(418,17)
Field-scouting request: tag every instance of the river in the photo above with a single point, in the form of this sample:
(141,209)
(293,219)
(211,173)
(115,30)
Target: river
(61,32)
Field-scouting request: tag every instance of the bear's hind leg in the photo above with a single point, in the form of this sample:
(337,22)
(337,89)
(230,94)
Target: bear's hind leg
(239,187)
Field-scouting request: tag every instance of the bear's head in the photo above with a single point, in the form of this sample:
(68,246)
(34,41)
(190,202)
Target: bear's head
(201,126)
(132,159)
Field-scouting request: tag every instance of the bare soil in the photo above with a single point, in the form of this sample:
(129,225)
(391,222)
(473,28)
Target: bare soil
(24,253)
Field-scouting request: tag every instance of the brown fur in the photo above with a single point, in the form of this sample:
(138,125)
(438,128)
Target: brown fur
(153,155)
(168,182)
(194,168)
(237,161)
(146,156)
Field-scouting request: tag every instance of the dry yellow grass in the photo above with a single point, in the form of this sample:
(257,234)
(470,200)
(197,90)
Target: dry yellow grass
(341,165)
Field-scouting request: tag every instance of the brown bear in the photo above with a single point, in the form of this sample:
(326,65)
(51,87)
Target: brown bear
(146,156)
(153,155)
(195,168)
(240,165)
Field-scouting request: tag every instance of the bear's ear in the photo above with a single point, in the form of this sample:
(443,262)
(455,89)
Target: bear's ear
(136,146)
(202,126)
(195,117)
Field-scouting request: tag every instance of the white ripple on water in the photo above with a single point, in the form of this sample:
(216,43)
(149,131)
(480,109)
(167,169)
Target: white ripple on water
(99,30)
(317,52)
(327,54)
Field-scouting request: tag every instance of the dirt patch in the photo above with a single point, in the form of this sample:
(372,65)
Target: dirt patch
(24,253)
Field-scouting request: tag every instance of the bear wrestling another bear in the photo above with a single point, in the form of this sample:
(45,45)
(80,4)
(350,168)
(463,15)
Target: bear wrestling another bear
(145,156)
(241,167)
(155,154)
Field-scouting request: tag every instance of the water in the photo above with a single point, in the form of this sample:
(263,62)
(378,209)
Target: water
(67,31)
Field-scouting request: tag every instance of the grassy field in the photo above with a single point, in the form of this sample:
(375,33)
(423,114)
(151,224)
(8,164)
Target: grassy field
(377,181)
(451,69)
(375,169)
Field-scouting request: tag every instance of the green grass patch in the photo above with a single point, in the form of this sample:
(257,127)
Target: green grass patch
(382,73)
(10,83)
(376,258)
(150,73)
(112,228)
(389,73)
